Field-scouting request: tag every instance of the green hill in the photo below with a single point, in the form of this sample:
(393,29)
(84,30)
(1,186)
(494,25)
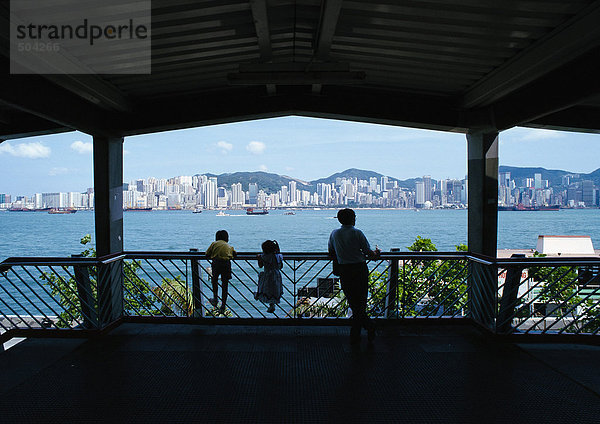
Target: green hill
(266,181)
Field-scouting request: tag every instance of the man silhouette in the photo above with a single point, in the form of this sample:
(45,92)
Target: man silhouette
(350,247)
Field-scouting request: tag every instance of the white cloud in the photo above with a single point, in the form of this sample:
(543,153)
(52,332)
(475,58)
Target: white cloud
(263,167)
(33,150)
(57,171)
(81,147)
(256,147)
(224,146)
(539,134)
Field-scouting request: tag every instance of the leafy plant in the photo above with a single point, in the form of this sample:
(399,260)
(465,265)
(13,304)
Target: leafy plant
(137,295)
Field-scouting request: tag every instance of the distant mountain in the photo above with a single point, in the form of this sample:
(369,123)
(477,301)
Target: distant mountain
(554,176)
(271,183)
(266,181)
(362,174)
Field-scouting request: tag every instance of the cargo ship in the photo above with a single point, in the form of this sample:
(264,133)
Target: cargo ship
(252,211)
(138,209)
(520,207)
(62,211)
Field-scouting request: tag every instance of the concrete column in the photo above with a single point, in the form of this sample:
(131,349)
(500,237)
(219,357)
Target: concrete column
(483,223)
(483,192)
(108,194)
(108,210)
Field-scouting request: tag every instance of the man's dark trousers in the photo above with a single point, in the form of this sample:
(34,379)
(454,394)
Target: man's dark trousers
(355,284)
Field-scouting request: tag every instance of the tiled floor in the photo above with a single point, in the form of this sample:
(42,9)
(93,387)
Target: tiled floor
(196,373)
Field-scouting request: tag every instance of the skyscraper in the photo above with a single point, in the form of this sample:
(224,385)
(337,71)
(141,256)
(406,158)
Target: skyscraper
(427,188)
(537,181)
(210,193)
(587,193)
(253,193)
(420,188)
(237,195)
(293,194)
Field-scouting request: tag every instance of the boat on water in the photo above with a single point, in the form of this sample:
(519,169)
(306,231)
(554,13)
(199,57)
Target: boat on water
(62,211)
(221,213)
(289,213)
(138,209)
(521,207)
(252,211)
(197,210)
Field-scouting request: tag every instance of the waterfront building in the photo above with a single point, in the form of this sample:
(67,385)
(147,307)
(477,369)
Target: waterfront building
(420,193)
(427,188)
(253,194)
(537,181)
(293,192)
(237,195)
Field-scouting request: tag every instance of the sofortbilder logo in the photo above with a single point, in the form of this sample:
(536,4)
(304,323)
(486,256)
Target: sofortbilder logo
(80,37)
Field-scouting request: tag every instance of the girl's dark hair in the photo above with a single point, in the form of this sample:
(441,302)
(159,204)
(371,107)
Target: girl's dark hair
(222,235)
(270,246)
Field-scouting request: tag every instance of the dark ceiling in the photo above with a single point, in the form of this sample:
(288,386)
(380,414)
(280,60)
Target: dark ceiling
(451,65)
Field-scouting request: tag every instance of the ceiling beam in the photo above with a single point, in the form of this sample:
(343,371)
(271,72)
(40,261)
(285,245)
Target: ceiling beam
(559,47)
(577,119)
(17,124)
(90,87)
(296,78)
(337,102)
(563,88)
(330,12)
(261,24)
(35,95)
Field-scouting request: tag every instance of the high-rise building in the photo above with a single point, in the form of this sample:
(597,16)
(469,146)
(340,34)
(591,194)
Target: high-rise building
(222,197)
(537,181)
(284,198)
(372,184)
(420,189)
(253,193)
(427,188)
(210,193)
(587,193)
(293,193)
(237,195)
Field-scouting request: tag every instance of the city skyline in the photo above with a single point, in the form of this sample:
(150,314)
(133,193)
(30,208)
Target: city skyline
(304,148)
(352,187)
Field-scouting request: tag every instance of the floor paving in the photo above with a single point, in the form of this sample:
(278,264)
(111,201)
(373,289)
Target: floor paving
(146,373)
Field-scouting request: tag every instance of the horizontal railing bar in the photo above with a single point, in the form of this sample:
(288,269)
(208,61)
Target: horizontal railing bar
(45,261)
(66,261)
(546,261)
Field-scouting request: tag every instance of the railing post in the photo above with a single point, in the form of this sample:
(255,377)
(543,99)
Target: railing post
(110,292)
(196,287)
(392,288)
(85,295)
(483,293)
(509,297)
(482,198)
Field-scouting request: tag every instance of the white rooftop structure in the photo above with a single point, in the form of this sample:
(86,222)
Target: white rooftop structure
(565,245)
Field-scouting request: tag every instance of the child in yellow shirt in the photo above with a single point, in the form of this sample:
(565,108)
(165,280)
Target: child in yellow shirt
(221,254)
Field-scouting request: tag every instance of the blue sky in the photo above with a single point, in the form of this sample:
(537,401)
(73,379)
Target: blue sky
(304,148)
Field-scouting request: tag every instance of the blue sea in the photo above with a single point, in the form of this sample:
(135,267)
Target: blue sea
(43,234)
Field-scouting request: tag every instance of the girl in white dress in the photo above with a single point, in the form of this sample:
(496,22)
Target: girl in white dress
(269,281)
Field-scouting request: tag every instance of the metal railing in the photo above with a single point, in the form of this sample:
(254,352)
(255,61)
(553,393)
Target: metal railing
(512,296)
(179,284)
(549,296)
